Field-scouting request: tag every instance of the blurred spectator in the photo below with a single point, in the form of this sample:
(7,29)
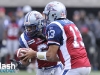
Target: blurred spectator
(4,20)
(76,19)
(97,32)
(27,9)
(20,12)
(12,35)
(89,41)
(20,18)
(83,16)
(93,26)
(91,22)
(79,18)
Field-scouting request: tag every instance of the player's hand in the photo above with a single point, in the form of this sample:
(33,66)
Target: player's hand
(29,54)
(25,63)
(18,64)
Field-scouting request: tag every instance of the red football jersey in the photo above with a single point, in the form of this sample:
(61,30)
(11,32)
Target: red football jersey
(41,46)
(38,45)
(72,52)
(13,31)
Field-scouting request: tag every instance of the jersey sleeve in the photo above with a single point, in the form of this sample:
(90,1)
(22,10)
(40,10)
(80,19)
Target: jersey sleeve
(54,35)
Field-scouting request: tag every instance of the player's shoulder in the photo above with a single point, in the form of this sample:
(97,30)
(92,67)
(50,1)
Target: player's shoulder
(22,40)
(24,36)
(21,36)
(65,22)
(53,26)
(54,23)
(61,22)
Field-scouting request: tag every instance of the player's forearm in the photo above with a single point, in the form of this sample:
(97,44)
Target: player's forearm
(50,55)
(47,56)
(55,59)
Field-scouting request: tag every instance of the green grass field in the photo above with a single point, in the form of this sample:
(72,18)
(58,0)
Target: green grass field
(25,73)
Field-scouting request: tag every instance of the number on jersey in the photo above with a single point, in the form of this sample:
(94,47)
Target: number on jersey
(75,31)
(41,47)
(51,34)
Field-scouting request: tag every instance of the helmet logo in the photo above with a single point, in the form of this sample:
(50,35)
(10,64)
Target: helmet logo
(63,14)
(26,23)
(50,7)
(37,16)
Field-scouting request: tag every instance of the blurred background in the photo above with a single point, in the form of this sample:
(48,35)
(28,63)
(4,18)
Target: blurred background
(84,13)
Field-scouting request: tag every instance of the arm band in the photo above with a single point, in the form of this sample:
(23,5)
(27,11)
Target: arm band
(41,55)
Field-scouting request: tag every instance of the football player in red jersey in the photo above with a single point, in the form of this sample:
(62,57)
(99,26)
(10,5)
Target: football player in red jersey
(64,40)
(33,38)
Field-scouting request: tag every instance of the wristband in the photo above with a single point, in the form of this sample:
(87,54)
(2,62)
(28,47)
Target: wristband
(41,55)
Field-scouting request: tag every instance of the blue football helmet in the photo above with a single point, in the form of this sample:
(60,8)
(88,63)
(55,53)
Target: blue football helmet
(33,23)
(54,10)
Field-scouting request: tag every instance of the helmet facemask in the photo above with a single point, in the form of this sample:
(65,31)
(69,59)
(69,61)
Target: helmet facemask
(31,30)
(33,23)
(50,17)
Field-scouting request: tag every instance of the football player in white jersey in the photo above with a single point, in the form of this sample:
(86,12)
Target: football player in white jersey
(33,38)
(64,40)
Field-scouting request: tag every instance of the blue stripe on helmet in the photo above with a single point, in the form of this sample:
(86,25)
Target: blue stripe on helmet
(27,16)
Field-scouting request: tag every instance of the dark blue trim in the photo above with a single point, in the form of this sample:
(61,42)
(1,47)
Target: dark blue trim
(27,17)
(65,71)
(46,68)
(26,38)
(21,43)
(65,22)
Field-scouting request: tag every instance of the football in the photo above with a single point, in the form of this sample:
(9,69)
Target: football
(19,53)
